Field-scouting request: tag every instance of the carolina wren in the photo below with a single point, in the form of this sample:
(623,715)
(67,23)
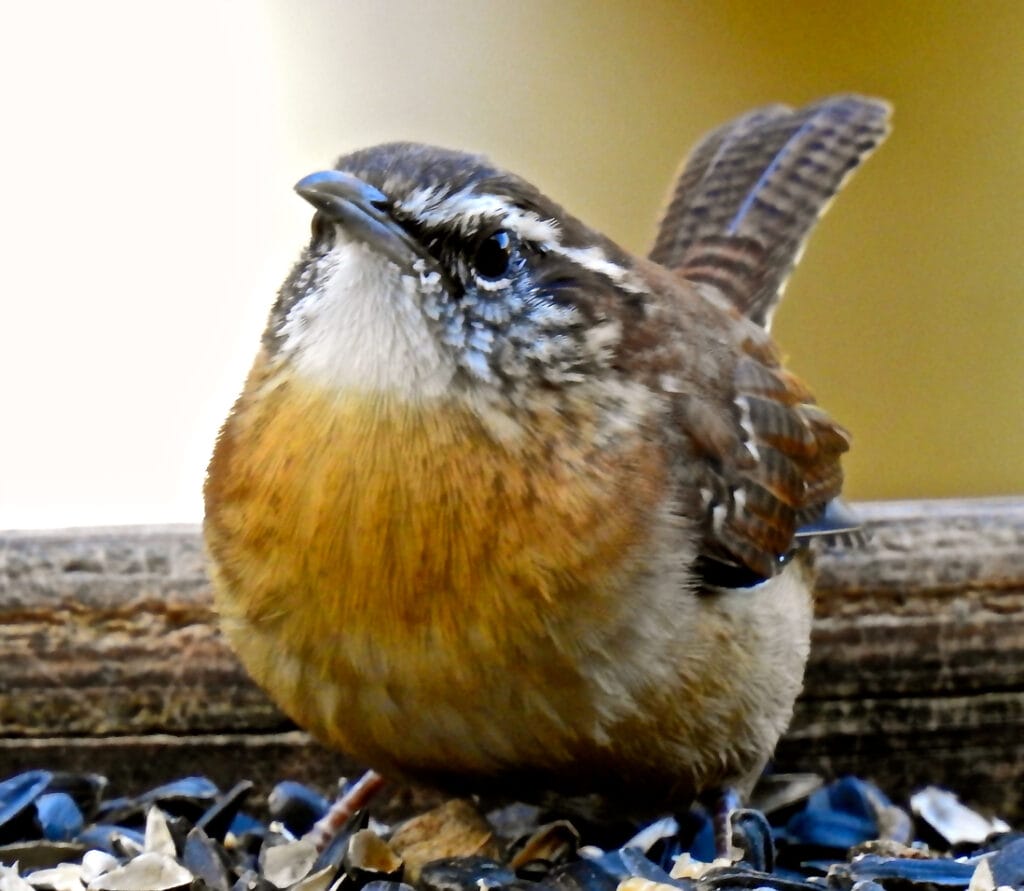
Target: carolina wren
(504,506)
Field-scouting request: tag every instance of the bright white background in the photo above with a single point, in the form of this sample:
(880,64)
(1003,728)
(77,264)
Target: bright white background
(148,150)
(137,241)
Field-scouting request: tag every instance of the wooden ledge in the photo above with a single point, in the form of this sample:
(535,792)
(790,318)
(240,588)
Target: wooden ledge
(113,662)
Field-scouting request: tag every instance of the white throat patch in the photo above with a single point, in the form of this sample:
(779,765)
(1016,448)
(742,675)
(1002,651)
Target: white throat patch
(360,328)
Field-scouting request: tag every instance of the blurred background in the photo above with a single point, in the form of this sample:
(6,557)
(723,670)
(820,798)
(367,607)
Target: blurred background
(147,215)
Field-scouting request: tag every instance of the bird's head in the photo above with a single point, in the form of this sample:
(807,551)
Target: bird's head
(430,269)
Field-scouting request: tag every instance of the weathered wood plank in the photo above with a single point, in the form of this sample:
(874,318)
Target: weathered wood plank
(916,673)
(932,606)
(108,632)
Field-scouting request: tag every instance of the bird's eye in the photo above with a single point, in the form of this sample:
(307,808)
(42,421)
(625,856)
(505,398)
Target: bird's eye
(493,255)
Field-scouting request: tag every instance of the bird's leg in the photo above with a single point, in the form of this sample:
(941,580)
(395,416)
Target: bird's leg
(723,802)
(358,796)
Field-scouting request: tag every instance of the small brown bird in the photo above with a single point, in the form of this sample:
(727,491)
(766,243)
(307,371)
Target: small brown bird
(504,507)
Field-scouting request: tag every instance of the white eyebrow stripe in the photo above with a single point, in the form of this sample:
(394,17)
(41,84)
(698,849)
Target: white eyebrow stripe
(594,259)
(531,227)
(433,206)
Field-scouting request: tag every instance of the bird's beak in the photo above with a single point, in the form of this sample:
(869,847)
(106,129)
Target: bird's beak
(362,210)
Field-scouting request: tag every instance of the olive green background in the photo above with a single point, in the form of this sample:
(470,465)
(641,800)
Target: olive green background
(148,216)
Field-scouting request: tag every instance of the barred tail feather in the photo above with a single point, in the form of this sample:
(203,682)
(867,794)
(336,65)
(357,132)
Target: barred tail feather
(750,193)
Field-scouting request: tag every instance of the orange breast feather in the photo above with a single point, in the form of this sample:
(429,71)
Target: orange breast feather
(367,541)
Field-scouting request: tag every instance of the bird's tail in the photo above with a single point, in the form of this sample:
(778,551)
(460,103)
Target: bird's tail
(751,191)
